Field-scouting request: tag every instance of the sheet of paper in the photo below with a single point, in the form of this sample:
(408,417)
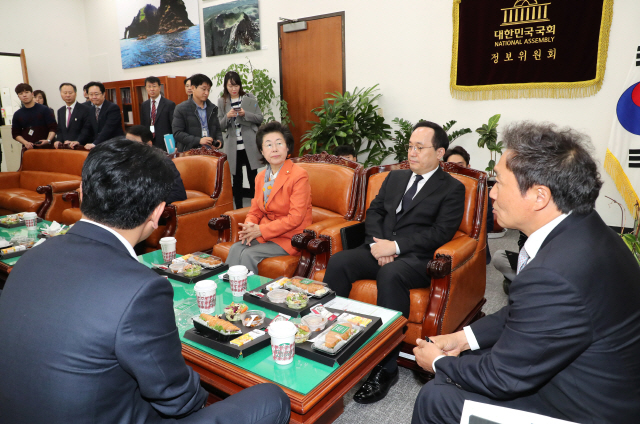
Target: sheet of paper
(345,304)
(476,412)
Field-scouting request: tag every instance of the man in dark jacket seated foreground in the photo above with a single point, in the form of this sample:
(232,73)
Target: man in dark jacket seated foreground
(89,333)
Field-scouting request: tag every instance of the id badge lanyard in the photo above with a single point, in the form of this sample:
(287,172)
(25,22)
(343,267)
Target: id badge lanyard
(205,128)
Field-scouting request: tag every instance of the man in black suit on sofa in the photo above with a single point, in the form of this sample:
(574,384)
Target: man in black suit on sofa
(568,343)
(89,332)
(415,212)
(73,119)
(156,113)
(105,118)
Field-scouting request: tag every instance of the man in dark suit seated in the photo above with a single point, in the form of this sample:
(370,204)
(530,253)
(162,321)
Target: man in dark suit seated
(415,212)
(568,343)
(73,119)
(143,135)
(156,113)
(90,333)
(105,118)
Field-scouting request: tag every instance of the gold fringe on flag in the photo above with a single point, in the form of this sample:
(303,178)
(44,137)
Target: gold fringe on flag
(615,170)
(561,90)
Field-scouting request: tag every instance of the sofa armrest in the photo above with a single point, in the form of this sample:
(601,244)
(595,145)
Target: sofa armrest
(64,186)
(227,224)
(9,180)
(73,197)
(451,256)
(193,204)
(334,237)
(317,227)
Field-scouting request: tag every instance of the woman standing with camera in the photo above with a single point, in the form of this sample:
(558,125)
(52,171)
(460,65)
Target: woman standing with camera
(240,116)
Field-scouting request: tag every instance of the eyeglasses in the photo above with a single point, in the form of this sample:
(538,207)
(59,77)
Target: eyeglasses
(271,146)
(417,148)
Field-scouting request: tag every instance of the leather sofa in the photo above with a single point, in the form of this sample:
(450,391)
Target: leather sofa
(458,269)
(334,193)
(38,186)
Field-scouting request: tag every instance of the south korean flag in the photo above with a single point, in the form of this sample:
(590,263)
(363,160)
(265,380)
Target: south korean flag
(623,153)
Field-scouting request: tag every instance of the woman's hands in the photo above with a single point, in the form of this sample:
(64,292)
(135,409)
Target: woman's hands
(235,112)
(249,232)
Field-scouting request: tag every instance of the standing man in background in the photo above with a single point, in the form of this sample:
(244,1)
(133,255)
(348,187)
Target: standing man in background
(87,102)
(157,112)
(73,119)
(195,121)
(105,117)
(34,123)
(187,87)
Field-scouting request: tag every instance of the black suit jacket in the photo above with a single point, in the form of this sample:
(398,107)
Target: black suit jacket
(109,123)
(431,220)
(79,126)
(92,337)
(164,119)
(570,333)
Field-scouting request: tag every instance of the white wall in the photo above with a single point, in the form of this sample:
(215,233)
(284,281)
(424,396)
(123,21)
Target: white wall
(53,34)
(405,47)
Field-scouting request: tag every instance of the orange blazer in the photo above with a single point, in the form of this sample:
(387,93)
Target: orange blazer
(288,210)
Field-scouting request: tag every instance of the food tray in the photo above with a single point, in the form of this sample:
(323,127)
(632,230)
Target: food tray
(205,337)
(282,307)
(306,349)
(14,254)
(194,258)
(18,224)
(206,273)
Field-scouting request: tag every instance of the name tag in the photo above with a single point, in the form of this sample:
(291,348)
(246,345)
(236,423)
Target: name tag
(152,128)
(205,132)
(30,132)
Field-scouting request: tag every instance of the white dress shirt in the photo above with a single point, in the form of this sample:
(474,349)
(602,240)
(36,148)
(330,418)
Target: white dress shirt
(118,236)
(157,99)
(532,246)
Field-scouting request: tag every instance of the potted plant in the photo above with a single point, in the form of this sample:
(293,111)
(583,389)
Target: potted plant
(489,139)
(260,84)
(351,118)
(632,239)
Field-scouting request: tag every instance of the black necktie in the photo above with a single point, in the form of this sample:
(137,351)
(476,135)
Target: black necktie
(408,196)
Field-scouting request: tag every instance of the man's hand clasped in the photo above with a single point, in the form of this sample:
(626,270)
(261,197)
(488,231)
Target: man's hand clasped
(448,344)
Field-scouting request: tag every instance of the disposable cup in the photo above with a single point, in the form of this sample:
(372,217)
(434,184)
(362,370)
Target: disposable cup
(283,345)
(30,219)
(168,246)
(206,296)
(238,279)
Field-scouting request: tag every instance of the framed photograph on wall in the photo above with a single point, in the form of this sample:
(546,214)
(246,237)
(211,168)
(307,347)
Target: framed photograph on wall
(155,31)
(231,26)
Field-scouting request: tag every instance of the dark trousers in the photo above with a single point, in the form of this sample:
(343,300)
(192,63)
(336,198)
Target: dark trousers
(264,404)
(243,160)
(394,280)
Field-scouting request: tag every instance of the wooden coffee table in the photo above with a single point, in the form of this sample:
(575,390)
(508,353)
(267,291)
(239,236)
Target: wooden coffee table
(315,390)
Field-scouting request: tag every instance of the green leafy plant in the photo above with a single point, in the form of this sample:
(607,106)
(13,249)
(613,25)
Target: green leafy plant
(260,84)
(349,119)
(403,134)
(489,139)
(632,239)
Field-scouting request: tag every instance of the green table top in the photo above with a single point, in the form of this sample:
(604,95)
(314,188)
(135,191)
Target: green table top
(303,375)
(7,233)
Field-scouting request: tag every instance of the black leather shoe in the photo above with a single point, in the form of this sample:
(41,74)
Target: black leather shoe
(377,386)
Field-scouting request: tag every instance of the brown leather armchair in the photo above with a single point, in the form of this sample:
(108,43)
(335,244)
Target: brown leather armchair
(207,181)
(334,192)
(38,186)
(458,270)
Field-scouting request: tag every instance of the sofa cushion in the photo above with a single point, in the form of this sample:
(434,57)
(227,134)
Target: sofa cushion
(31,180)
(366,291)
(198,173)
(54,161)
(331,186)
(195,193)
(71,216)
(20,200)
(278,266)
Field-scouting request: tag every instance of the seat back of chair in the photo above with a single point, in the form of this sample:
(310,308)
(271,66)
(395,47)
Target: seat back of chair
(202,170)
(53,160)
(334,185)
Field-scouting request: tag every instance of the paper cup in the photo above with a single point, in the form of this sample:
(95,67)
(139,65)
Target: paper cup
(206,296)
(283,345)
(30,219)
(238,279)
(168,246)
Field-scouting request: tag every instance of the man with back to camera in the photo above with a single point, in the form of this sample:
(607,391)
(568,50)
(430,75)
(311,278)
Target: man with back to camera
(415,212)
(34,123)
(142,134)
(195,121)
(156,113)
(568,343)
(105,118)
(93,333)
(73,119)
